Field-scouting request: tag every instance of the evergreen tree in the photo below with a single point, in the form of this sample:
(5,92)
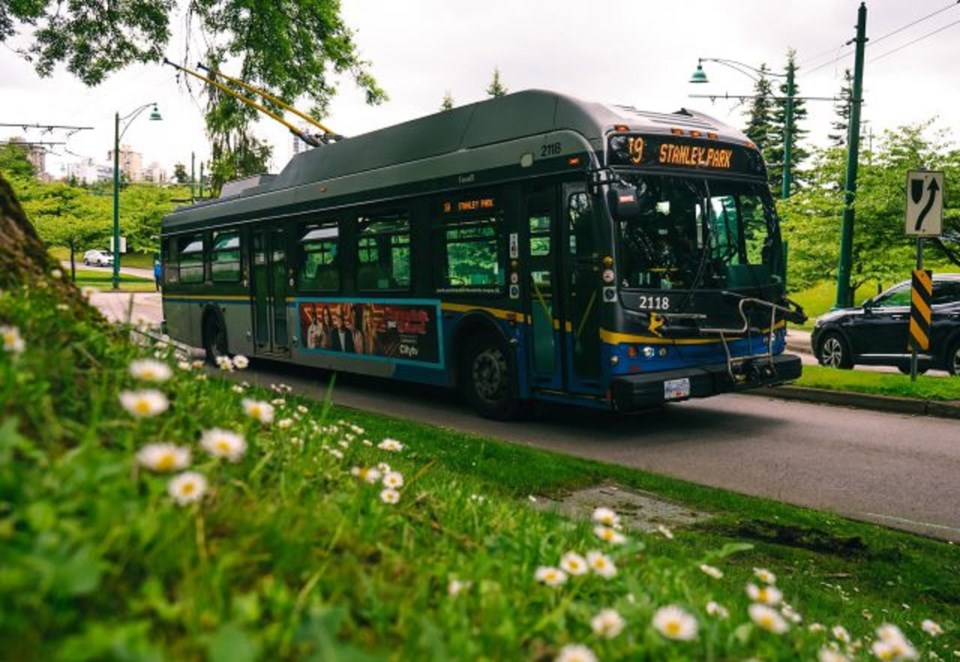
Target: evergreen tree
(447,101)
(774,152)
(760,115)
(842,107)
(496,88)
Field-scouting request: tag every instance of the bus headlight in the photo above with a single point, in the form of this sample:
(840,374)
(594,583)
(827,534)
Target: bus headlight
(649,352)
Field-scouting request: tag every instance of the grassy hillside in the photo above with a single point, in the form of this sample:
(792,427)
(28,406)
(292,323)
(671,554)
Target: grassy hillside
(277,539)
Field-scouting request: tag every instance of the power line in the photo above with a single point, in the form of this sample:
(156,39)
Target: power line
(890,34)
(910,43)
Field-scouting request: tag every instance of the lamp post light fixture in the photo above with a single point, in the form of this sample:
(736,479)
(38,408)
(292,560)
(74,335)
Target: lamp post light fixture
(700,76)
(117,135)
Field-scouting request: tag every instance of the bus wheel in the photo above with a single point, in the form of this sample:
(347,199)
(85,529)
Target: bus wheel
(488,378)
(214,339)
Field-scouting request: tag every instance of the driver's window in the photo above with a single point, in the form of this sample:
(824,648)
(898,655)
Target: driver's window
(895,298)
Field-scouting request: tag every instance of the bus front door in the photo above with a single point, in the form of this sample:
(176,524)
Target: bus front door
(542,310)
(269,282)
(581,292)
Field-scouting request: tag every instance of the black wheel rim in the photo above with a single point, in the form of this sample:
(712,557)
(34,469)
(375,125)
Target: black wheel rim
(489,375)
(956,360)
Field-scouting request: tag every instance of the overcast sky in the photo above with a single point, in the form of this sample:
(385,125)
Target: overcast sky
(621,51)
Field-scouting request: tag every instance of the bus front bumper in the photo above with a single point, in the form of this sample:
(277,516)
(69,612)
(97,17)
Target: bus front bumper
(631,392)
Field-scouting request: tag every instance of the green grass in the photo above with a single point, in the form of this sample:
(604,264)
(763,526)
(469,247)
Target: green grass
(135,260)
(103,280)
(820,298)
(879,383)
(289,556)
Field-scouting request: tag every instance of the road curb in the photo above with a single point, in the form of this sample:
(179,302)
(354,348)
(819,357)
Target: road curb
(883,403)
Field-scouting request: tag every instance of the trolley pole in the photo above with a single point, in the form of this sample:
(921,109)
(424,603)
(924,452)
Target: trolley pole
(844,296)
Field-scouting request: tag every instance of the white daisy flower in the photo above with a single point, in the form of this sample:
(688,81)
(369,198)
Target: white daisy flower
(187,487)
(893,645)
(716,573)
(767,618)
(186,366)
(608,623)
(197,364)
(456,587)
(606,517)
(12,342)
(573,564)
(717,610)
(665,532)
(302,409)
(383,467)
(367,474)
(224,363)
(223,443)
(367,443)
(840,633)
(391,445)
(932,628)
(258,409)
(768,595)
(390,496)
(575,653)
(673,622)
(601,564)
(827,654)
(336,453)
(278,402)
(163,457)
(56,273)
(789,614)
(550,576)
(236,388)
(610,535)
(816,627)
(143,404)
(765,575)
(241,362)
(150,370)
(393,480)
(285,423)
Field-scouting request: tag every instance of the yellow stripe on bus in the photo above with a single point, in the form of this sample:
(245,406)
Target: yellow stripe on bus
(614,338)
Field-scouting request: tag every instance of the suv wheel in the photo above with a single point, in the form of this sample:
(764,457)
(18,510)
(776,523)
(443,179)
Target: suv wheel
(953,358)
(833,352)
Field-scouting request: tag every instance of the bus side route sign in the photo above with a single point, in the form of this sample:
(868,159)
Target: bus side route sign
(921,296)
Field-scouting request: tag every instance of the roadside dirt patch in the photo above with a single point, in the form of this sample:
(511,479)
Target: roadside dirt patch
(638,510)
(795,536)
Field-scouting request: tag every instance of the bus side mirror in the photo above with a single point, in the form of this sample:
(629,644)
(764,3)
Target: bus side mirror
(623,201)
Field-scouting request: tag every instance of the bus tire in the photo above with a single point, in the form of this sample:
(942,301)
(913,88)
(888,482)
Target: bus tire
(488,378)
(214,338)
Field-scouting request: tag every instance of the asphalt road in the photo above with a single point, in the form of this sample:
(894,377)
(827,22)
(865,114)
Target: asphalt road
(892,469)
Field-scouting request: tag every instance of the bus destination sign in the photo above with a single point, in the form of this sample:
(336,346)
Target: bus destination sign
(671,152)
(475,204)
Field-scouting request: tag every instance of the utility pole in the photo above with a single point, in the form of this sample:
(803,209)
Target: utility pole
(788,133)
(193,165)
(201,180)
(844,295)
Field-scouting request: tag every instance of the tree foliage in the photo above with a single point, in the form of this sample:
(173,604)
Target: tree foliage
(496,88)
(14,161)
(842,106)
(447,103)
(881,250)
(774,151)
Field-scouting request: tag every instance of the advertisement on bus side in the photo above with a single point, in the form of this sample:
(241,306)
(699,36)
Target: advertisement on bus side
(390,330)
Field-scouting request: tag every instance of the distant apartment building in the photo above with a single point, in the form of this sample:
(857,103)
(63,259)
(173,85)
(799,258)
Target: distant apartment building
(88,171)
(36,155)
(131,163)
(154,173)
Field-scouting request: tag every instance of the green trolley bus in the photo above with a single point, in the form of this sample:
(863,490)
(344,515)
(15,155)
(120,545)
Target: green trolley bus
(533,247)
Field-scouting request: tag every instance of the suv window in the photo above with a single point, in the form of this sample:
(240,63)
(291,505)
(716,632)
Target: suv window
(946,291)
(897,297)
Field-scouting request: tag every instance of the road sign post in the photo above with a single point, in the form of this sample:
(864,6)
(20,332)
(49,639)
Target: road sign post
(924,218)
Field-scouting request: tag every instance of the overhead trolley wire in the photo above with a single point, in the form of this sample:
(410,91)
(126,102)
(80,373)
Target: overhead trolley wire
(910,43)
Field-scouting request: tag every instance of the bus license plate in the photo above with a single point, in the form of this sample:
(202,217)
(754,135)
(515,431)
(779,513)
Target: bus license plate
(674,389)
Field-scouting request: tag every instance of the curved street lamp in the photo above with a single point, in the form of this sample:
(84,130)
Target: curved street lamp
(117,135)
(699,76)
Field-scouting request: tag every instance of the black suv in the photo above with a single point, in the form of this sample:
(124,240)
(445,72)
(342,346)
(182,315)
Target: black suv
(877,332)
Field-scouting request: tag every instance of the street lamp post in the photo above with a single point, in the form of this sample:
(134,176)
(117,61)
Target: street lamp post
(117,135)
(700,76)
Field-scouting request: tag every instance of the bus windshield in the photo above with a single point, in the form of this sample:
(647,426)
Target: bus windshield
(691,233)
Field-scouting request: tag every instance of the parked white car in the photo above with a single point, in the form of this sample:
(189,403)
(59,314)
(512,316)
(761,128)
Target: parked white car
(98,258)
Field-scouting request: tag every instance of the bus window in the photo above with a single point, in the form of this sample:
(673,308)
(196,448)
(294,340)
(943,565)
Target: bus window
(225,262)
(539,235)
(190,259)
(319,267)
(383,252)
(472,255)
(581,225)
(171,268)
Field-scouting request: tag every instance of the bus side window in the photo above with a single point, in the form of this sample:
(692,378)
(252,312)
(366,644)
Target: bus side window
(190,258)
(319,266)
(171,267)
(225,260)
(383,252)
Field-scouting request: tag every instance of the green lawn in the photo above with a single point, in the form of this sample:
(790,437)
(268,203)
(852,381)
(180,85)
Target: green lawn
(880,383)
(289,555)
(103,280)
(821,298)
(135,260)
